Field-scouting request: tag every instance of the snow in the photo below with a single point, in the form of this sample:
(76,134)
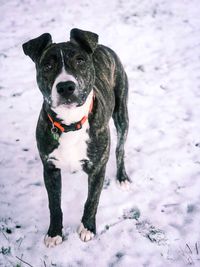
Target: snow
(156,224)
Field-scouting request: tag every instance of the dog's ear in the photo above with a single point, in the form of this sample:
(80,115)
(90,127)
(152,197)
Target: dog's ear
(87,40)
(35,47)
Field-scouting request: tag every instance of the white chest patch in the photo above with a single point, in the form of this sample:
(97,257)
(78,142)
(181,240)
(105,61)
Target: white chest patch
(71,150)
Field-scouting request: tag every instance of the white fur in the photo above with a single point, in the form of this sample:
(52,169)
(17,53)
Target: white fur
(125,185)
(72,147)
(84,233)
(70,114)
(71,150)
(62,77)
(51,242)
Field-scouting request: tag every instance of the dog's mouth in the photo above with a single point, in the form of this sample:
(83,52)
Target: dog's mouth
(68,94)
(69,103)
(72,101)
(69,111)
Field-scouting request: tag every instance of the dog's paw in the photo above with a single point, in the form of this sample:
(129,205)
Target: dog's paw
(51,242)
(84,234)
(124,185)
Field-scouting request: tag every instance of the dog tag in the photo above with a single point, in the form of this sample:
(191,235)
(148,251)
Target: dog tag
(55,134)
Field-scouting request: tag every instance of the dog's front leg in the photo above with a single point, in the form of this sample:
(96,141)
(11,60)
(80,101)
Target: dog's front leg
(87,229)
(52,178)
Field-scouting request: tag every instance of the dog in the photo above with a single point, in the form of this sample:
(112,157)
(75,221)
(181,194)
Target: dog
(83,85)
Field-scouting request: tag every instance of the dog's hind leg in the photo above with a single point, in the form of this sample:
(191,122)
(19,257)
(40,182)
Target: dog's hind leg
(52,178)
(121,121)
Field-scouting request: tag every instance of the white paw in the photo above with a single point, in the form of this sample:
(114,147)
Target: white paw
(84,234)
(51,242)
(125,185)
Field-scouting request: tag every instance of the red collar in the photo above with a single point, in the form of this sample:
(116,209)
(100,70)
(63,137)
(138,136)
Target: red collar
(72,127)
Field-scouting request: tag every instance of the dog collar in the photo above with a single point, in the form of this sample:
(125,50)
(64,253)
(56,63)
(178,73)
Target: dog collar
(57,126)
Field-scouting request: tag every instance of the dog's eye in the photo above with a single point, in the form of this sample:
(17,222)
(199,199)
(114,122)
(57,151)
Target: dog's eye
(80,60)
(48,67)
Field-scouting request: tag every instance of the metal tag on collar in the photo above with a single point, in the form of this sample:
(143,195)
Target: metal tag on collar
(78,126)
(55,134)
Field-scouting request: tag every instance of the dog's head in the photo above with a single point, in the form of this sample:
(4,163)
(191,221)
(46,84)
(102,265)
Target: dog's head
(65,71)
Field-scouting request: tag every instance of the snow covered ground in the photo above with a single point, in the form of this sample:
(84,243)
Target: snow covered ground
(157,224)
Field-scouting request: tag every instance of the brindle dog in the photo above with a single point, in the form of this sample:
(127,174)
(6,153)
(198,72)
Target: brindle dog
(83,85)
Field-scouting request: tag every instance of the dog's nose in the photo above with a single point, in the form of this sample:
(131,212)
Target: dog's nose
(66,89)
